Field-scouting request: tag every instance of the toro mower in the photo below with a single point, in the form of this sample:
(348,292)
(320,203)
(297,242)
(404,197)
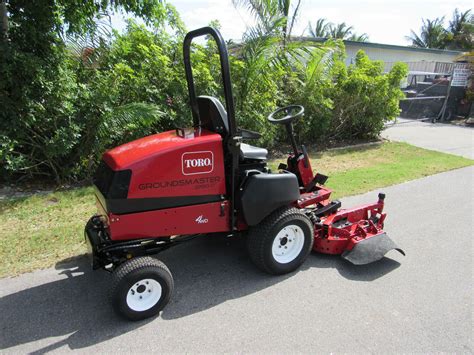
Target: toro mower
(162,190)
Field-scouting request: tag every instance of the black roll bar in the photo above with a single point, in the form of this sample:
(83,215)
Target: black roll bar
(232,141)
(225,70)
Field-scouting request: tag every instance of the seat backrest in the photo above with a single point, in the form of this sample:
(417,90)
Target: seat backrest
(213,115)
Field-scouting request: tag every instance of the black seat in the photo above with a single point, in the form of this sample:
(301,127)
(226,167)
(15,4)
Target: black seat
(213,117)
(248,151)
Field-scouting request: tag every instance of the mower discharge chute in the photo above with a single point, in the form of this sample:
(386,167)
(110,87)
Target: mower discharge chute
(167,188)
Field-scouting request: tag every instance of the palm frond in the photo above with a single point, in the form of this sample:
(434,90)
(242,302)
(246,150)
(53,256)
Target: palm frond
(432,34)
(340,31)
(293,18)
(364,37)
(416,40)
(459,20)
(127,122)
(320,63)
(267,12)
(85,46)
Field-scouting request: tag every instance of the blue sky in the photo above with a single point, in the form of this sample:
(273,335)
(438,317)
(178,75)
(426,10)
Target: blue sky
(384,21)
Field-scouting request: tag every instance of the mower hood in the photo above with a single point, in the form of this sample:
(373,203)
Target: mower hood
(126,155)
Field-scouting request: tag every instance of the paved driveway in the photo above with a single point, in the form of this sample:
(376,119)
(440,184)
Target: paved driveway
(441,137)
(418,303)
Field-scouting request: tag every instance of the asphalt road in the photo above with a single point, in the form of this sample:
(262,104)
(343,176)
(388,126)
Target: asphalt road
(419,303)
(441,137)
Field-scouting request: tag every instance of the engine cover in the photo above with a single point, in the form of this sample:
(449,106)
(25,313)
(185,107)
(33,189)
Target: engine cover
(162,171)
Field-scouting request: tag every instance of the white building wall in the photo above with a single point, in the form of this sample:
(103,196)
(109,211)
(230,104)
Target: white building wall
(416,60)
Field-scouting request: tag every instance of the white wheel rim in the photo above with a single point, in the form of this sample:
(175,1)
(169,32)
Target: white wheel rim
(288,244)
(143,295)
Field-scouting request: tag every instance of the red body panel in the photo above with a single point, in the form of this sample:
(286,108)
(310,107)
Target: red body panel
(204,218)
(306,173)
(168,165)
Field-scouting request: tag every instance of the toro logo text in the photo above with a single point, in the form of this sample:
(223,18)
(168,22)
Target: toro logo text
(197,162)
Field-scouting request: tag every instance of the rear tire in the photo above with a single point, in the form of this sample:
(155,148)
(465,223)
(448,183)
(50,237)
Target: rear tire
(141,288)
(281,242)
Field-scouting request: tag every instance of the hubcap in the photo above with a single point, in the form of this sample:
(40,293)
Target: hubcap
(143,295)
(288,244)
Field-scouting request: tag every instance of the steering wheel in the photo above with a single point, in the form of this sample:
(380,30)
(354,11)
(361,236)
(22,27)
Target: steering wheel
(291,112)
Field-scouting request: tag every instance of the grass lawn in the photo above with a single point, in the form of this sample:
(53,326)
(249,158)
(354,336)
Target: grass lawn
(38,231)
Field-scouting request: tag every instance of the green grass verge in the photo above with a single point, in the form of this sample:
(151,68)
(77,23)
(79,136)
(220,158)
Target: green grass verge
(40,230)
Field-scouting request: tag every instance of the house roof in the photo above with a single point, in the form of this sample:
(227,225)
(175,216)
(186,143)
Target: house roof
(383,46)
(427,73)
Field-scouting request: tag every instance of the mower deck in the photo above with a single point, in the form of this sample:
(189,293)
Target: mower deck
(356,234)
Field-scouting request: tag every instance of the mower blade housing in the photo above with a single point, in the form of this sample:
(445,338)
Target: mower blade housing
(371,249)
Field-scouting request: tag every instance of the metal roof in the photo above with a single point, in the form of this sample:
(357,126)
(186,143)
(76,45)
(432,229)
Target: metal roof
(420,73)
(381,45)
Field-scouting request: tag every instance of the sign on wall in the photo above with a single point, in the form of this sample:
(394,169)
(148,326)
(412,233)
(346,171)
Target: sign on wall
(460,77)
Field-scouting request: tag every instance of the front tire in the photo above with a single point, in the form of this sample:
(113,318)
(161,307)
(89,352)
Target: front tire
(141,288)
(281,242)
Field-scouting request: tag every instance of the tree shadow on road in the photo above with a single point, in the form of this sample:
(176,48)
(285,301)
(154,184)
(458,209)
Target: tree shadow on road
(75,305)
(207,272)
(219,270)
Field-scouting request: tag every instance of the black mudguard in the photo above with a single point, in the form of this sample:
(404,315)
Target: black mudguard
(264,193)
(371,249)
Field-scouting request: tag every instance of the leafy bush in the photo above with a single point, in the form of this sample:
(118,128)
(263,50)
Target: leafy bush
(312,86)
(38,127)
(343,103)
(60,113)
(43,123)
(364,98)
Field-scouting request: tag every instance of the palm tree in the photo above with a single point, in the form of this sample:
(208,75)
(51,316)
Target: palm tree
(266,46)
(273,16)
(341,31)
(268,52)
(359,38)
(461,30)
(320,30)
(460,19)
(432,34)
(324,29)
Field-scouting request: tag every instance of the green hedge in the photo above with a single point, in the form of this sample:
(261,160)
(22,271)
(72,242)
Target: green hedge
(58,114)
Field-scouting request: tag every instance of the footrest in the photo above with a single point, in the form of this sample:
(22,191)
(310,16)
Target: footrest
(318,179)
(330,208)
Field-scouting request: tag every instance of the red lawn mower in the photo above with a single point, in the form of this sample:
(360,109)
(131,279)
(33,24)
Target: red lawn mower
(167,188)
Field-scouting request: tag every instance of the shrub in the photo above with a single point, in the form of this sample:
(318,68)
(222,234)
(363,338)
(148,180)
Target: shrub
(59,114)
(311,85)
(364,98)
(343,103)
(37,120)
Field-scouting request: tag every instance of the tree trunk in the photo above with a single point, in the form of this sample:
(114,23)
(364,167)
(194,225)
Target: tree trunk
(3,20)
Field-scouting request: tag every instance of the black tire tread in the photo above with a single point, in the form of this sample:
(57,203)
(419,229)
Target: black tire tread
(258,235)
(138,263)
